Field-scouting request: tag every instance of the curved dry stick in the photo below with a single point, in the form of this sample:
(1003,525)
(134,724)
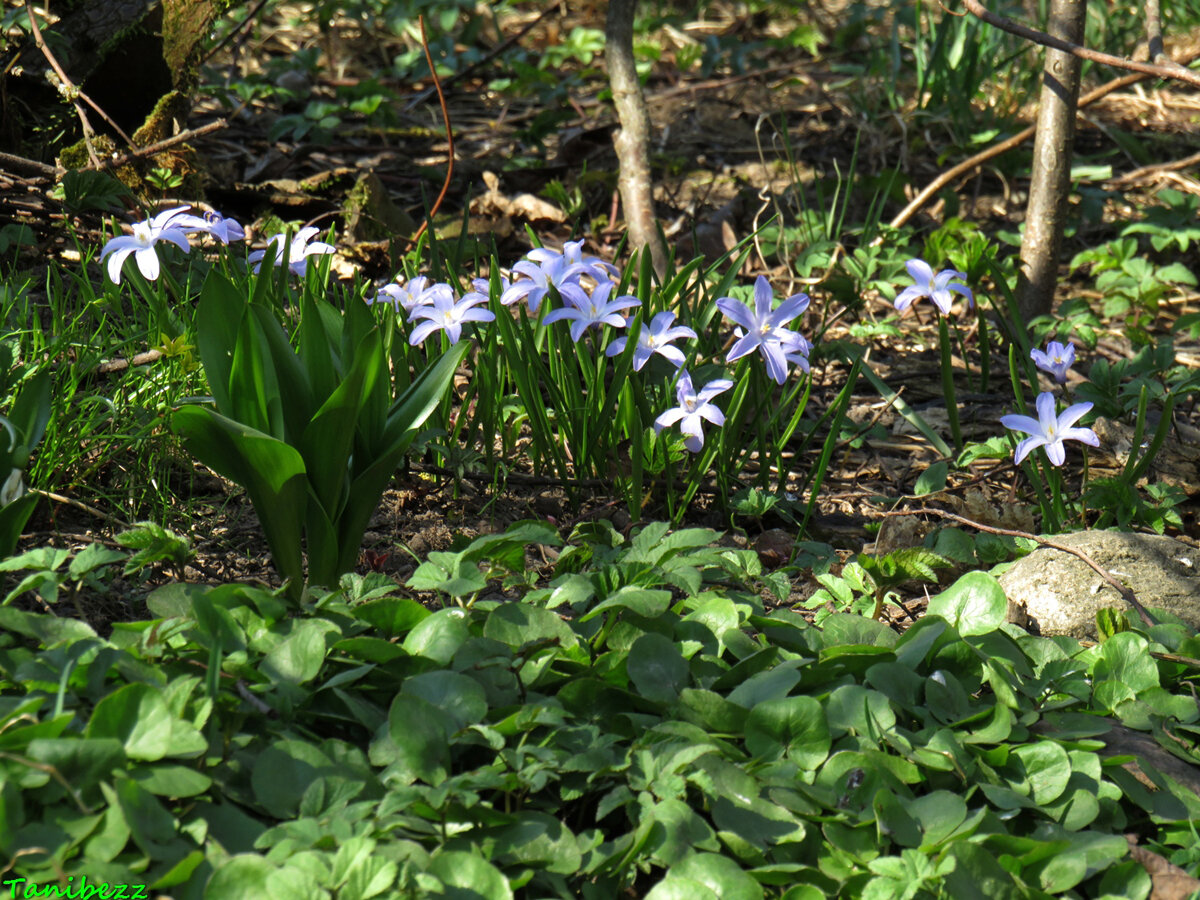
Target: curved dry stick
(1126,594)
(69,89)
(489,56)
(1168,70)
(1007,144)
(412,241)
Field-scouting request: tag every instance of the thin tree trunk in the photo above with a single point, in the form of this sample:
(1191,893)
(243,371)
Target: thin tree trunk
(632,140)
(1046,212)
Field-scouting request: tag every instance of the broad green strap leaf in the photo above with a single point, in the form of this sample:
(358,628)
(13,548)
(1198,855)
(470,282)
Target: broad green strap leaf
(272,473)
(218,316)
(295,388)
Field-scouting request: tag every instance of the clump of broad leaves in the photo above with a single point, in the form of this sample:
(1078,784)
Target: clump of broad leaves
(625,719)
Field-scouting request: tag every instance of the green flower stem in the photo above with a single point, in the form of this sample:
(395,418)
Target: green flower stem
(948,384)
(1054,485)
(841,406)
(985,350)
(1083,489)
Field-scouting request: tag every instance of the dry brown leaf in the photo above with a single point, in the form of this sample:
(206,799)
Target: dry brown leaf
(494,202)
(774,547)
(1169,882)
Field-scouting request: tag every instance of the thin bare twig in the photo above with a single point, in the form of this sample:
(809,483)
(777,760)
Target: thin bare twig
(70,90)
(20,163)
(1164,70)
(233,32)
(1155,169)
(486,58)
(167,143)
(91,510)
(1126,593)
(261,707)
(1004,146)
(412,242)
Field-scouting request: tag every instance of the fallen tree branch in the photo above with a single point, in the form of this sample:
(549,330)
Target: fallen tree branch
(20,163)
(1126,593)
(165,143)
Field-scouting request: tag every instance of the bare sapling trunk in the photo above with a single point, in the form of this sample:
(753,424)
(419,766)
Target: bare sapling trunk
(1046,213)
(632,139)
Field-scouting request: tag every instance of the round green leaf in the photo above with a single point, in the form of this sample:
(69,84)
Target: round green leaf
(657,667)
(791,726)
(150,825)
(459,696)
(720,874)
(939,813)
(854,708)
(674,887)
(418,745)
(242,877)
(137,716)
(977,873)
(295,881)
(894,821)
(172,780)
(717,614)
(438,636)
(711,711)
(282,773)
(1074,810)
(1125,658)
(538,839)
(83,762)
(975,604)
(518,624)
(468,876)
(298,657)
(393,616)
(1047,767)
(805,892)
(648,602)
(677,831)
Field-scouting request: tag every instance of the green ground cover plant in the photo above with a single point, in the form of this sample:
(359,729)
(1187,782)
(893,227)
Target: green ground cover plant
(637,720)
(578,705)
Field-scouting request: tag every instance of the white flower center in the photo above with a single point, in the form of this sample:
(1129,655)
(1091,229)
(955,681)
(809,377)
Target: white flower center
(141,234)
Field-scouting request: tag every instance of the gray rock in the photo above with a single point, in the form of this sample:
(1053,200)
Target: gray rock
(1052,592)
